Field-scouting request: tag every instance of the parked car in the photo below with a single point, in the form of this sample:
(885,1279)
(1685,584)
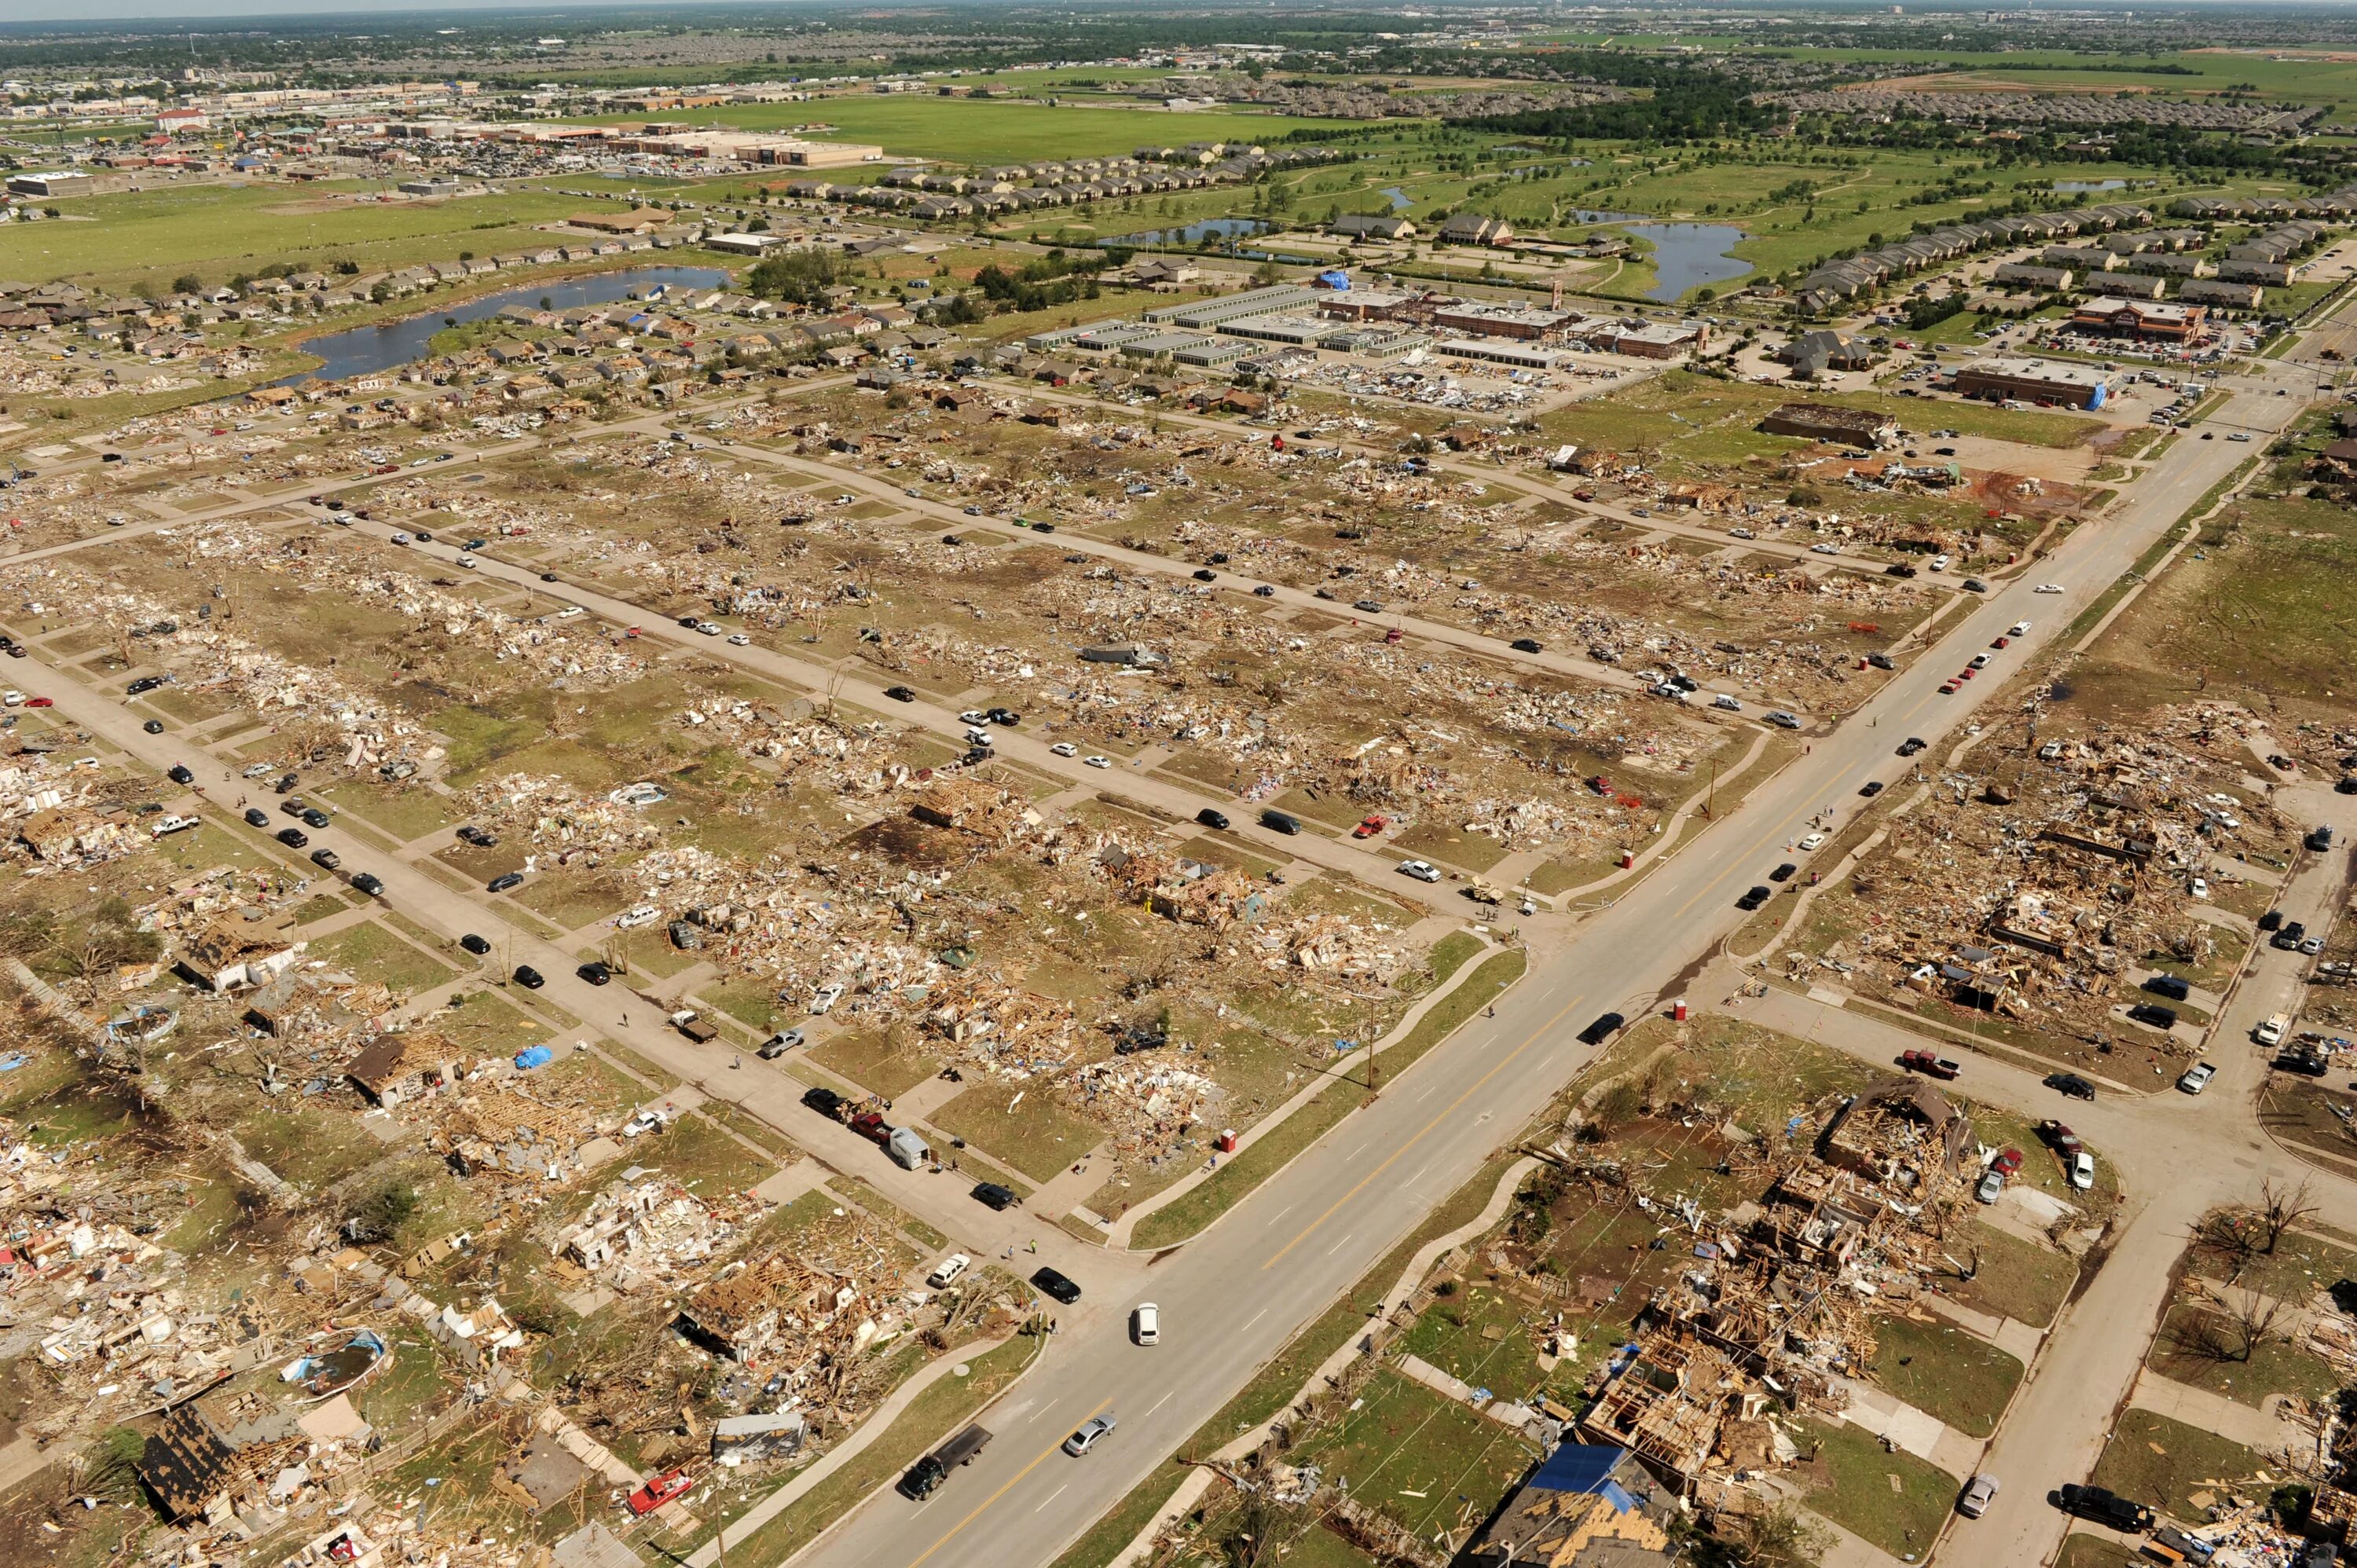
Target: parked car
(2071,1085)
(1421,870)
(1603,1029)
(475,944)
(256,818)
(2057,1136)
(500,884)
(826,1102)
(1979,1492)
(596,973)
(992,1194)
(2154,1014)
(1146,1324)
(900,693)
(667,1488)
(2195,1078)
(946,1271)
(2082,1170)
(2169,985)
(1930,1064)
(1992,1186)
(294,838)
(1212,817)
(325,859)
(1754,896)
(925,1476)
(530,978)
(1527,645)
(1784,873)
(779,1044)
(368,882)
(1280,822)
(2104,1506)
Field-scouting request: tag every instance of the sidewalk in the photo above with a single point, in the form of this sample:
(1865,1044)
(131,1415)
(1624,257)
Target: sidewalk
(1918,1431)
(2262,1431)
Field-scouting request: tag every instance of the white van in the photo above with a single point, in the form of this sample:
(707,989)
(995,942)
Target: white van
(2272,1029)
(1146,1323)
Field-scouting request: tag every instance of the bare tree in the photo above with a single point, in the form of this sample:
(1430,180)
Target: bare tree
(2229,1236)
(1780,1538)
(2250,1319)
(2280,1210)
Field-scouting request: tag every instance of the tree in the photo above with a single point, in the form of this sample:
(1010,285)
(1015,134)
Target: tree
(188,283)
(2280,1210)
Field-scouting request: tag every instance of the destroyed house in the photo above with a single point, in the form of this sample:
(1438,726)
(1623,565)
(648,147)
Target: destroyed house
(1901,1133)
(754,1310)
(1584,1506)
(237,951)
(1816,1214)
(395,1067)
(1666,1406)
(211,1452)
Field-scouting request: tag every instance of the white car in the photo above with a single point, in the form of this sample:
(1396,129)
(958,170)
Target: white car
(1813,840)
(949,1270)
(1093,760)
(467,562)
(1979,1492)
(974,736)
(709,628)
(1065,748)
(644,915)
(1421,870)
(569,611)
(1146,1323)
(258,769)
(2082,1170)
(973,717)
(2019,628)
(2195,1078)
(1091,1431)
(647,1120)
(2198,888)
(1940,563)
(2047,588)
(12,698)
(173,825)
(738,639)
(1825,549)
(828,995)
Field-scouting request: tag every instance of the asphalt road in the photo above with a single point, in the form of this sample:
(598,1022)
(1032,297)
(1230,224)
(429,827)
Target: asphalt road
(1234,1296)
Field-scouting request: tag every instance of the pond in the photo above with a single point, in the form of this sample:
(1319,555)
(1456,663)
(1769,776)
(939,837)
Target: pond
(1687,255)
(1401,199)
(2090,185)
(1597,215)
(1193,234)
(361,350)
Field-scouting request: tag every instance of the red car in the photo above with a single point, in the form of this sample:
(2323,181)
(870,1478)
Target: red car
(2002,642)
(1930,1064)
(2006,1162)
(1373,823)
(1950,687)
(1966,674)
(41,703)
(660,1490)
(872,1127)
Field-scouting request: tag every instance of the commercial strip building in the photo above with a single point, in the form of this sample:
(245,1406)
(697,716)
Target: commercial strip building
(2062,381)
(2176,323)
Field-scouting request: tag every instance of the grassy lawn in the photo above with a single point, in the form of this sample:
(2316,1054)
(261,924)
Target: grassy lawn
(1480,1336)
(2022,1279)
(701,1156)
(309,1148)
(1024,1127)
(1412,1452)
(1945,1372)
(946,1403)
(404,814)
(373,952)
(1237,1177)
(1896,1501)
(2083,1550)
(2163,1463)
(875,1063)
(2300,1265)
(1449,953)
(488,1023)
(2276,1367)
(884,1209)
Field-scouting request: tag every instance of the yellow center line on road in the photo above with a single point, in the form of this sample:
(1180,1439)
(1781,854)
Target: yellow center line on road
(981,1507)
(1471,1090)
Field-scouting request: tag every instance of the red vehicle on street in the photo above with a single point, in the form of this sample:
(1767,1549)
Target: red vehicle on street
(666,1488)
(1371,824)
(1930,1064)
(871,1126)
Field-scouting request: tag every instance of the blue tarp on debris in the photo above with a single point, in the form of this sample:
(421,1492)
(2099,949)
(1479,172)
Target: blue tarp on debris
(532,1057)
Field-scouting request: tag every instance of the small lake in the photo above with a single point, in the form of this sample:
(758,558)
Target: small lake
(1596,215)
(1687,255)
(1192,233)
(1401,199)
(2090,185)
(361,350)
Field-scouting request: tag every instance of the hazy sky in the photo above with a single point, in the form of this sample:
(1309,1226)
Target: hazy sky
(117,10)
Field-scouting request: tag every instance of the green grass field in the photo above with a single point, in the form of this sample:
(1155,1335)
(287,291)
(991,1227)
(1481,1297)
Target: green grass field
(150,238)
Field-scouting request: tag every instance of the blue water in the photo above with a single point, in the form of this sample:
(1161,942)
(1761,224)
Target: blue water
(1592,215)
(1193,234)
(362,350)
(2090,185)
(1401,199)
(1687,255)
